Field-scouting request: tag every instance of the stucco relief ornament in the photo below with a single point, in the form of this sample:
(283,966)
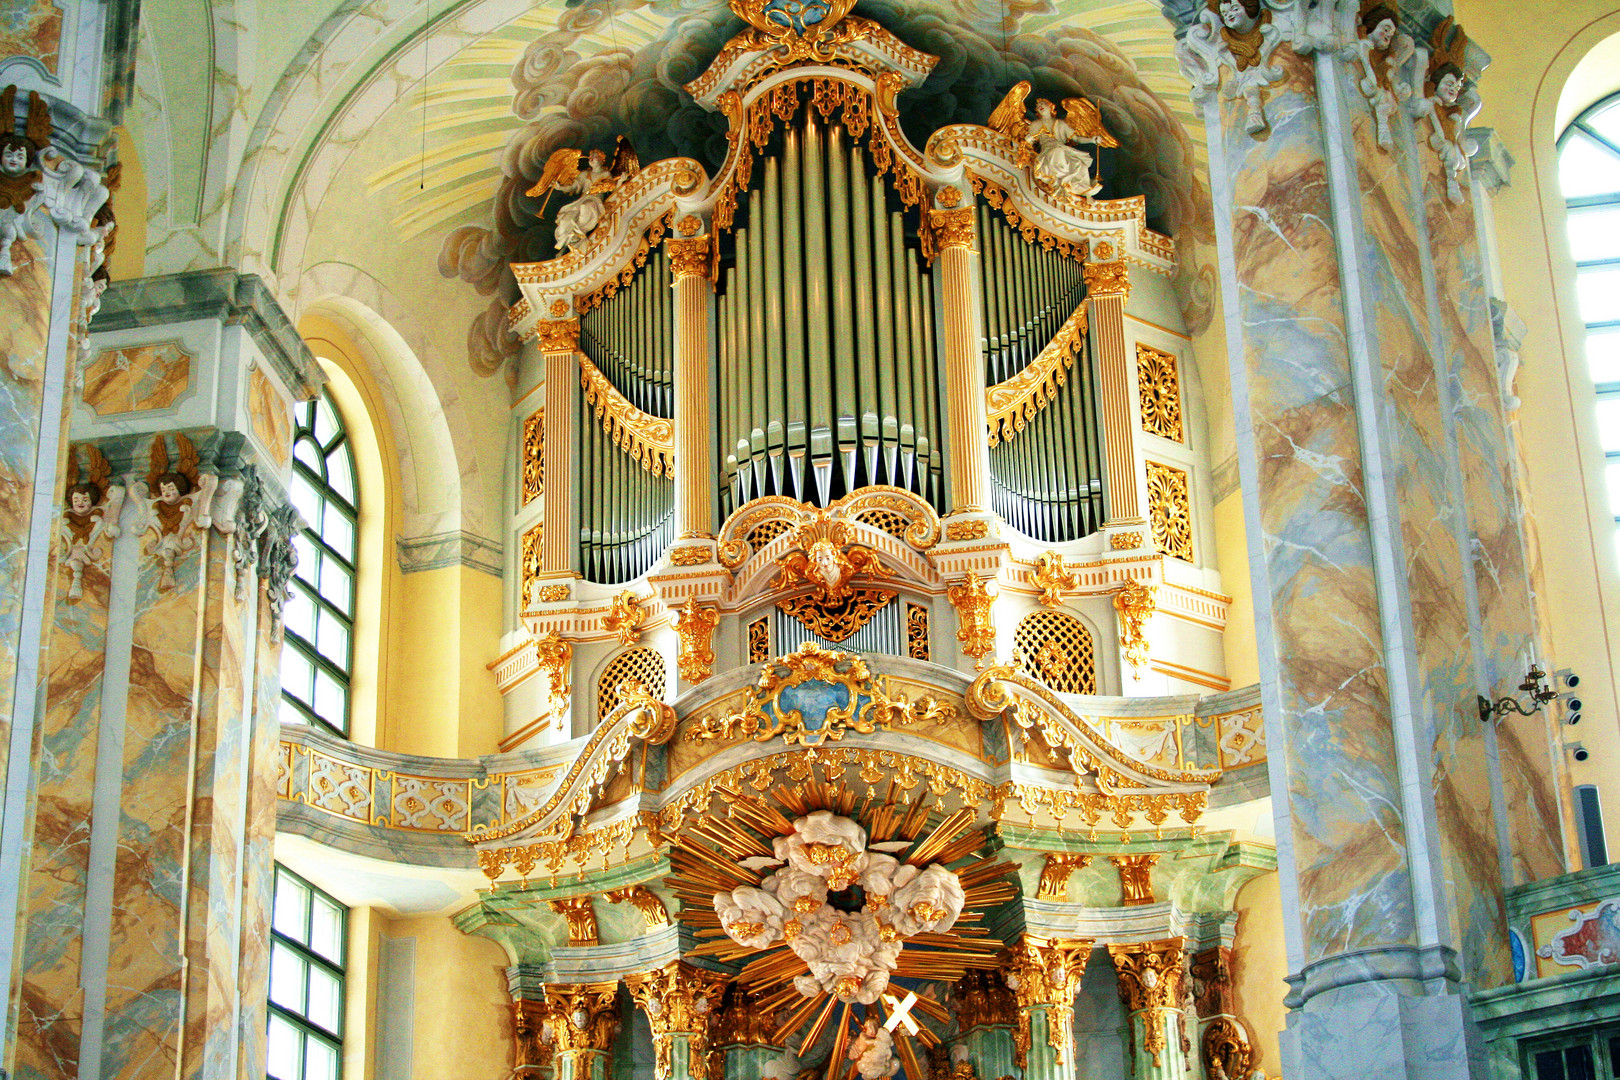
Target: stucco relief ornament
(277,561)
(1238,35)
(34,174)
(1047,145)
(252,518)
(848,954)
(178,503)
(593,178)
(90,519)
(1381,51)
(1447,101)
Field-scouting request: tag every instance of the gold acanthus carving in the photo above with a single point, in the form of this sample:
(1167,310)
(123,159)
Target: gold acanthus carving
(1012,404)
(531,1032)
(1150,981)
(693,257)
(694,630)
(1108,279)
(625,617)
(1060,866)
(1045,974)
(555,656)
(1125,541)
(953,228)
(647,438)
(644,900)
(551,594)
(1135,878)
(1170,510)
(917,632)
(1158,389)
(837,622)
(871,705)
(1053,578)
(1135,604)
(973,602)
(558,335)
(534,461)
(581,919)
(531,561)
(967,530)
(584,1018)
(678,999)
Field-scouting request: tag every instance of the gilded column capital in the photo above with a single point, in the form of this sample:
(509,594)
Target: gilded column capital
(691,257)
(1055,875)
(1044,973)
(679,999)
(953,228)
(1108,279)
(1151,979)
(584,1016)
(1135,877)
(558,335)
(581,919)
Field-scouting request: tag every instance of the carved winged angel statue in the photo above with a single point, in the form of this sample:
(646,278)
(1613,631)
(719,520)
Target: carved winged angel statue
(593,178)
(1047,145)
(1382,50)
(20,171)
(177,501)
(1447,101)
(90,519)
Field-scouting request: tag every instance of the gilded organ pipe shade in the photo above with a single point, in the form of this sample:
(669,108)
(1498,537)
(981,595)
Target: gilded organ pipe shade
(1047,480)
(826,309)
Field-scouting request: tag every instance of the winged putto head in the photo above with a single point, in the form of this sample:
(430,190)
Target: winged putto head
(19,154)
(1447,51)
(87,489)
(171,485)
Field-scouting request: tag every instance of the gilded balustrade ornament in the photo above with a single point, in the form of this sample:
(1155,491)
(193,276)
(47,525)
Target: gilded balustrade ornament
(647,438)
(678,999)
(1053,578)
(557,335)
(651,720)
(555,657)
(1170,510)
(1010,405)
(1044,973)
(694,631)
(1135,878)
(816,695)
(624,618)
(1108,279)
(1060,866)
(1151,978)
(1135,603)
(581,918)
(974,603)
(1158,390)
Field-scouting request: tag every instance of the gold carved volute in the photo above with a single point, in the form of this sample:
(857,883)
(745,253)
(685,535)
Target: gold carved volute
(1060,866)
(624,618)
(1135,602)
(976,631)
(1151,978)
(694,630)
(652,909)
(692,257)
(953,228)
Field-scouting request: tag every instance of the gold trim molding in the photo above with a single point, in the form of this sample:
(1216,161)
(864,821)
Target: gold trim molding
(1012,404)
(647,438)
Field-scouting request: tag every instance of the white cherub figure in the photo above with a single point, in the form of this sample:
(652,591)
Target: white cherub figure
(592,178)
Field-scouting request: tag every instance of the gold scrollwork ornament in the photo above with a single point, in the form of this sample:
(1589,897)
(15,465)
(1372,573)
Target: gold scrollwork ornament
(1054,578)
(973,602)
(1135,604)
(625,617)
(694,630)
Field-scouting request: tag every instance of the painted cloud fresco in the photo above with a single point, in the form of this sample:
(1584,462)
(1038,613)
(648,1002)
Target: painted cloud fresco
(568,95)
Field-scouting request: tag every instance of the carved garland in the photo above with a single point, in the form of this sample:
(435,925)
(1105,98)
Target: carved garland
(647,438)
(1013,404)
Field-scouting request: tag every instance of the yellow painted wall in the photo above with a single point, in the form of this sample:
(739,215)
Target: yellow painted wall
(1532,61)
(128,258)
(1259,964)
(1232,556)
(463,1028)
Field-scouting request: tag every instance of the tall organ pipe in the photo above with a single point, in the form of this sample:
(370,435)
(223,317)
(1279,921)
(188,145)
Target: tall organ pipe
(843,304)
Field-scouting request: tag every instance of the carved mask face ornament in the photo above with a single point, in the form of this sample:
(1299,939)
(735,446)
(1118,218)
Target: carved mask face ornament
(1383,35)
(1448,89)
(1235,16)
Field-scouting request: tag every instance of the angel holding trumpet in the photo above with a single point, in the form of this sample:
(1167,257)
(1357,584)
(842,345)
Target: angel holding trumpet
(1047,145)
(590,176)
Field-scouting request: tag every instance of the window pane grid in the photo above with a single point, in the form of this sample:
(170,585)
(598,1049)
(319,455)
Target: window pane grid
(307,933)
(319,622)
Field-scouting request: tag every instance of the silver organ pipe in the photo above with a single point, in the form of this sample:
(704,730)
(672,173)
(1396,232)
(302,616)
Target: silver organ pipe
(826,307)
(626,512)
(1046,481)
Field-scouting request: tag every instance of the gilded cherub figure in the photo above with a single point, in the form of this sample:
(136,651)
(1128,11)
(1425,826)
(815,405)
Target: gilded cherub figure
(90,517)
(825,557)
(591,177)
(1382,50)
(20,167)
(177,502)
(1446,101)
(1047,147)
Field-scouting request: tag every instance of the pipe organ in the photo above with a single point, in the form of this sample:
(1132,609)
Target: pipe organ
(626,500)
(828,377)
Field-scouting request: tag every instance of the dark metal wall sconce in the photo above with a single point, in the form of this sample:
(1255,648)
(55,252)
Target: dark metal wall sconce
(1539,696)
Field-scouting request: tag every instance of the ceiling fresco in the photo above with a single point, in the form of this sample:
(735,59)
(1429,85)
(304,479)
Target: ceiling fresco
(581,74)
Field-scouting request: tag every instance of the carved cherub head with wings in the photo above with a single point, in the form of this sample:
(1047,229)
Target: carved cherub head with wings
(564,166)
(171,485)
(1448,49)
(85,491)
(19,154)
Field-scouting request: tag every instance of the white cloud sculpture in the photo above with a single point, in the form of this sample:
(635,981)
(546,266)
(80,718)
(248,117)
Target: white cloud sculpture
(850,954)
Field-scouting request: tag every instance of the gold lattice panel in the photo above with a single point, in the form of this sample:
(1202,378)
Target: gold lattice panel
(890,522)
(643,664)
(530,559)
(759,640)
(917,631)
(1170,510)
(1057,649)
(764,533)
(534,461)
(1158,387)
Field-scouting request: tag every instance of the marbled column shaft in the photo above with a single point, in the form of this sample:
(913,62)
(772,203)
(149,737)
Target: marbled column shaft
(694,428)
(258,843)
(957,268)
(1042,1060)
(560,540)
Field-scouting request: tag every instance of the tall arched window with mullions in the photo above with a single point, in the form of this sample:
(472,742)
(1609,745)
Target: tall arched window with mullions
(1589,174)
(319,617)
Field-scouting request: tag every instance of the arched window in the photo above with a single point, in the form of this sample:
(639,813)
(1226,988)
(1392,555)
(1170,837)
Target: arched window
(319,618)
(1589,174)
